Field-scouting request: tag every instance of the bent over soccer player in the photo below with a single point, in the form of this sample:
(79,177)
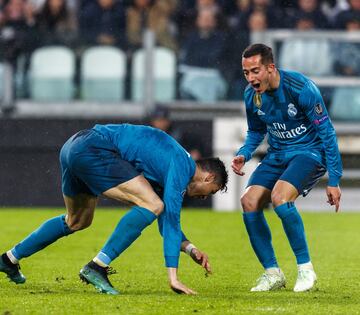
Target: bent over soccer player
(117,161)
(287,107)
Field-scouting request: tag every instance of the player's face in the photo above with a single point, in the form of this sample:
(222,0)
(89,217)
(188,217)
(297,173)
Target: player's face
(257,74)
(202,189)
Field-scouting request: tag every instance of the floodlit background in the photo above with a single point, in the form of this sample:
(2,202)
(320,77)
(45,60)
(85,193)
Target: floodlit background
(67,64)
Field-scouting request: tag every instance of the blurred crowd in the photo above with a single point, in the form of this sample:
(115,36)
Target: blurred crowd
(203,33)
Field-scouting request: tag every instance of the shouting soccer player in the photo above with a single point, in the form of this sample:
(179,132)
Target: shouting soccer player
(287,107)
(118,161)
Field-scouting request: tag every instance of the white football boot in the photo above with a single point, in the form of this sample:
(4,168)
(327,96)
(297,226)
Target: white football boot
(306,279)
(273,279)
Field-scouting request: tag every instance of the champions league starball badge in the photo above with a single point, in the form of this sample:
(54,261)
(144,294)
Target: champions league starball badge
(257,100)
(292,111)
(318,109)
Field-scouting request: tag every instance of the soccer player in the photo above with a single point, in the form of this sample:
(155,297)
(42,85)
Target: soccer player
(288,108)
(118,161)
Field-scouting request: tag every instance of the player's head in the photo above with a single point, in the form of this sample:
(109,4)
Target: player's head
(210,177)
(160,118)
(258,66)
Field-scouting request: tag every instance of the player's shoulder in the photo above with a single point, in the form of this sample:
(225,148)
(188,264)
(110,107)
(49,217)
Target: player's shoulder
(294,80)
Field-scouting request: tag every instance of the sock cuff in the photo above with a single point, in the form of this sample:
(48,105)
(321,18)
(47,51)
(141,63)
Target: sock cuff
(149,216)
(285,209)
(14,253)
(65,227)
(103,258)
(253,216)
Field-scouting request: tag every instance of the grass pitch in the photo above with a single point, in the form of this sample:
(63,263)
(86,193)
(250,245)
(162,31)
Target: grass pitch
(53,286)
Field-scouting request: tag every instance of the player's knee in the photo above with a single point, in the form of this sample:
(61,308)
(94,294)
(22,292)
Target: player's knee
(77,224)
(249,203)
(278,198)
(156,206)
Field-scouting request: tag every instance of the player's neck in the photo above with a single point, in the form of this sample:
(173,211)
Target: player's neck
(274,81)
(198,174)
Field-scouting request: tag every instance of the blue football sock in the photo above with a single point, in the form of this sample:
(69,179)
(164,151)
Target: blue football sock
(126,232)
(260,238)
(294,229)
(46,234)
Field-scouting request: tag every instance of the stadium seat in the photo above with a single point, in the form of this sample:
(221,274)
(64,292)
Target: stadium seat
(164,74)
(345,104)
(312,57)
(205,85)
(103,71)
(51,74)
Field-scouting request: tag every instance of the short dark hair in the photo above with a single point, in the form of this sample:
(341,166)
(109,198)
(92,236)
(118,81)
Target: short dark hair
(259,49)
(160,112)
(216,166)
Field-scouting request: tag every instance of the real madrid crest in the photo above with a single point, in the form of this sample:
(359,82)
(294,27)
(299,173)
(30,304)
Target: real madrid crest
(257,100)
(292,111)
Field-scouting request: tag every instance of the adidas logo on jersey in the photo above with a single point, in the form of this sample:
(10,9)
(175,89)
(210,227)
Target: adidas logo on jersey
(260,112)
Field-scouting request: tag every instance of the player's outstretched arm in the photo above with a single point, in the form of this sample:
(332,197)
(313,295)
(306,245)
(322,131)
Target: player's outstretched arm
(334,195)
(176,285)
(237,164)
(197,255)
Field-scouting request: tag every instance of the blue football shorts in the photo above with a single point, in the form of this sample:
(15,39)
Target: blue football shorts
(301,171)
(91,164)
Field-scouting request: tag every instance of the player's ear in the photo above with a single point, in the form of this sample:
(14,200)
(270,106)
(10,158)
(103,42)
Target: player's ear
(210,177)
(271,67)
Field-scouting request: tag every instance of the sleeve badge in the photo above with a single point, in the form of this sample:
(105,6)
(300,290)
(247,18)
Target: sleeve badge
(318,109)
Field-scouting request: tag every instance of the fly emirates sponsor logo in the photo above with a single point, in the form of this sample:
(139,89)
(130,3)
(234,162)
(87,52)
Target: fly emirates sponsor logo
(279,130)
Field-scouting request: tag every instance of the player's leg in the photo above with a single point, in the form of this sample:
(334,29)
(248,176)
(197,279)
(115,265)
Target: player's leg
(283,196)
(79,215)
(253,201)
(300,176)
(147,207)
(80,211)
(80,203)
(91,163)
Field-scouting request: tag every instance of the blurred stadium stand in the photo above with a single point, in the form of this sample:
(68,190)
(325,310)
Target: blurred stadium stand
(164,74)
(66,78)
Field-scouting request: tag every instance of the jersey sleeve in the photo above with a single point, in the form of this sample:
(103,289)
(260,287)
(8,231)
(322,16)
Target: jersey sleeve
(160,192)
(161,226)
(175,186)
(255,133)
(312,103)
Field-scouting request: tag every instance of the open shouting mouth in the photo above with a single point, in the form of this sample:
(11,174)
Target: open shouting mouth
(256,87)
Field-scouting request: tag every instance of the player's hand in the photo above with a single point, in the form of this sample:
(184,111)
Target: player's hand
(334,195)
(180,288)
(237,164)
(176,285)
(201,258)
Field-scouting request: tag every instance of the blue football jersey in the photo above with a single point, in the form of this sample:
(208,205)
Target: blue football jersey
(296,121)
(163,160)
